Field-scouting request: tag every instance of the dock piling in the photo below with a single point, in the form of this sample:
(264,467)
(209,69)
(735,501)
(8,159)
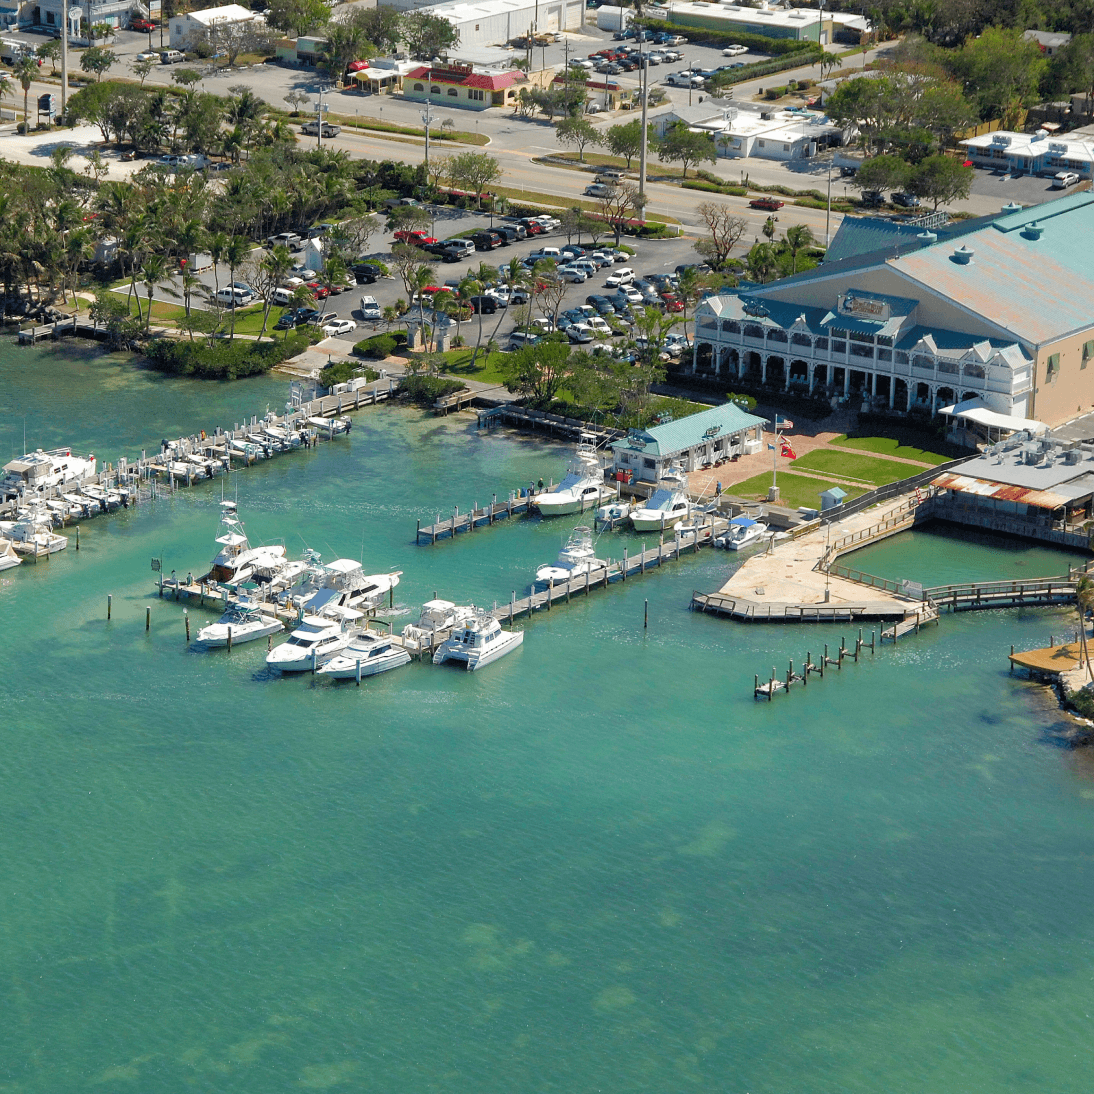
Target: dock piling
(77,537)
(358,671)
(229,639)
(110,604)
(646,616)
(147,619)
(186,620)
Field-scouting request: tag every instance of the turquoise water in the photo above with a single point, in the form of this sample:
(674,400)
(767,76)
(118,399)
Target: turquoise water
(595,865)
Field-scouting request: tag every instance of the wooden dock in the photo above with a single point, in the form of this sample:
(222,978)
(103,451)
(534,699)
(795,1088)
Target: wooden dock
(752,611)
(475,517)
(980,595)
(525,418)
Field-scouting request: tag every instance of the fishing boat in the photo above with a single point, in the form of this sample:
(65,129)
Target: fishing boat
(36,473)
(9,557)
(342,581)
(667,505)
(582,488)
(576,558)
(316,639)
(368,654)
(236,560)
(330,425)
(242,622)
(478,642)
(32,534)
(437,618)
(743,532)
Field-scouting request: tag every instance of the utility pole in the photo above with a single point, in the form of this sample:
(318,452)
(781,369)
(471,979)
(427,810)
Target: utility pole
(319,121)
(427,114)
(644,86)
(64,61)
(828,213)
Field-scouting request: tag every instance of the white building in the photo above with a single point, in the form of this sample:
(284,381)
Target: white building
(752,129)
(769,19)
(492,22)
(1038,153)
(188,29)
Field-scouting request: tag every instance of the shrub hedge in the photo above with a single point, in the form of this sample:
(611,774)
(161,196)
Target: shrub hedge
(224,360)
(341,372)
(426,390)
(380,346)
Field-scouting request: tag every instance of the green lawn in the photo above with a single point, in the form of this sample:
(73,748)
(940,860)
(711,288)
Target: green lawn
(860,468)
(794,490)
(487,367)
(891,446)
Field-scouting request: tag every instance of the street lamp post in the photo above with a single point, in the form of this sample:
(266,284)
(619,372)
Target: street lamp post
(644,85)
(427,114)
(64,61)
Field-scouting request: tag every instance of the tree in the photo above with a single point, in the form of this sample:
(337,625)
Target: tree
(1001,72)
(143,67)
(762,262)
(473,171)
(346,42)
(97,59)
(25,70)
(579,132)
(408,261)
(50,50)
(408,218)
(622,203)
(725,230)
(297,99)
(235,37)
(575,221)
(548,290)
(884,173)
(626,139)
(681,145)
(235,253)
(297,17)
(1072,68)
(186,77)
(113,313)
(798,237)
(153,272)
(428,35)
(537,372)
(382,25)
(942,180)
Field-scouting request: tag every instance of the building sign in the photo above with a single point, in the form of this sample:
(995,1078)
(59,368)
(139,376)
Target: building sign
(860,306)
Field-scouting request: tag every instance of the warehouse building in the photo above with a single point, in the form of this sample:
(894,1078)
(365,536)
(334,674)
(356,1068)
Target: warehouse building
(191,27)
(494,22)
(996,312)
(769,20)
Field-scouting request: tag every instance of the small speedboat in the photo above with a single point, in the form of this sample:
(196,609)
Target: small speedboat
(33,534)
(437,617)
(368,655)
(576,558)
(743,532)
(316,640)
(242,622)
(477,643)
(612,514)
(9,558)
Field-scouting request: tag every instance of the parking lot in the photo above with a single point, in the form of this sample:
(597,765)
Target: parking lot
(651,257)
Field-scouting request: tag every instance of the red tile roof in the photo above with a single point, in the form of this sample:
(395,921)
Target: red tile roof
(472,79)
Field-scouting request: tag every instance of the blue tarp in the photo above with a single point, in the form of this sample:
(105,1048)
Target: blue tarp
(744,522)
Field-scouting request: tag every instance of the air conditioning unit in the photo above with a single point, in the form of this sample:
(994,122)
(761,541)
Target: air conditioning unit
(1073,456)
(1057,146)
(1002,140)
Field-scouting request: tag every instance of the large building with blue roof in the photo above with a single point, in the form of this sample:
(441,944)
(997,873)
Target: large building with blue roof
(995,312)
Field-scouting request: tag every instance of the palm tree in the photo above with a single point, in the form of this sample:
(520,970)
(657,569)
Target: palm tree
(235,253)
(25,70)
(761,262)
(513,276)
(1084,598)
(797,239)
(154,270)
(691,288)
(218,243)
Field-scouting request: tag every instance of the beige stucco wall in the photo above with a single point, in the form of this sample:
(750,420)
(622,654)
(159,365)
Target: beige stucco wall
(1072,392)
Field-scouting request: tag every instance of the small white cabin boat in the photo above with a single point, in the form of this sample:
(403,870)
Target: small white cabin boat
(9,558)
(244,622)
(477,643)
(576,558)
(368,654)
(743,532)
(437,617)
(32,534)
(316,639)
(667,505)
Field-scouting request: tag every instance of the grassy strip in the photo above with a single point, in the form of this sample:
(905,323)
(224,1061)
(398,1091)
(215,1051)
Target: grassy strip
(353,121)
(890,446)
(794,490)
(555,201)
(488,366)
(860,468)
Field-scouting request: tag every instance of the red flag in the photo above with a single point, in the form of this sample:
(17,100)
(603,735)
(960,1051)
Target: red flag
(787,451)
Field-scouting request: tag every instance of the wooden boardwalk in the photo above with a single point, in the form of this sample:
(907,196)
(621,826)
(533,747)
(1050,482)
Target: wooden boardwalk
(475,517)
(980,595)
(753,611)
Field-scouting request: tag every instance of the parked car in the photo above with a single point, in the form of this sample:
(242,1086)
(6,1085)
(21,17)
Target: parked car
(366,273)
(486,240)
(674,40)
(462,247)
(623,276)
(598,326)
(286,321)
(337,327)
(483,305)
(672,302)
(519,339)
(554,254)
(873,197)
(318,290)
(572,251)
(370,310)
(568,273)
(580,334)
(628,294)
(171,57)
(145,26)
(734,51)
(771,205)
(1062,180)
(148,55)
(311,129)
(601,303)
(415,236)
(234,297)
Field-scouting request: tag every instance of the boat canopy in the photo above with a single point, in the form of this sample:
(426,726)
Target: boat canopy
(743,522)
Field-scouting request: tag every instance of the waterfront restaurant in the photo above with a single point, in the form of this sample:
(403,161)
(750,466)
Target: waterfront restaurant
(999,309)
(696,441)
(1027,486)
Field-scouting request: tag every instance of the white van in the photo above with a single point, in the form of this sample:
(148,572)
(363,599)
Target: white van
(282,296)
(234,297)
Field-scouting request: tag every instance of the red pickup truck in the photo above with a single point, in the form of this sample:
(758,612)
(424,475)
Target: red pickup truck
(416,237)
(145,26)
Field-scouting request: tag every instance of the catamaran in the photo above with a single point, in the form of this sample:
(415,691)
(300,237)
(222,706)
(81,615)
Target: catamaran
(477,643)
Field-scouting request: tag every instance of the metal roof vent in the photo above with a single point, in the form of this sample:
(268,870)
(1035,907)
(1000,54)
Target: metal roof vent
(963,255)
(1011,207)
(927,237)
(1033,230)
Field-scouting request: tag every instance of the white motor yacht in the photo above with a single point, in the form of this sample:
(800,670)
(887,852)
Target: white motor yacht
(582,488)
(342,581)
(437,617)
(478,642)
(9,557)
(668,505)
(743,532)
(236,560)
(576,558)
(33,534)
(316,639)
(369,654)
(244,622)
(36,472)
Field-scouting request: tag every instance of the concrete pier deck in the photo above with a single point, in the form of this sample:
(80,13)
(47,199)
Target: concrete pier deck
(791,575)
